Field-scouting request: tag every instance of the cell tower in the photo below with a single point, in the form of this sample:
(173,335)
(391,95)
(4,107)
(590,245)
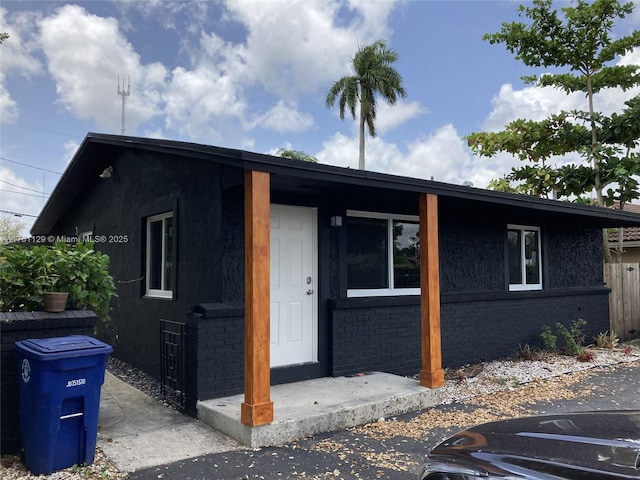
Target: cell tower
(124,94)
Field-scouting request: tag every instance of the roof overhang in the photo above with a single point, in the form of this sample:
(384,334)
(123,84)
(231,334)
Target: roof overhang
(98,150)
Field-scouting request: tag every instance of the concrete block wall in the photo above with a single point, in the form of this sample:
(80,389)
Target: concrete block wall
(476,329)
(214,353)
(383,334)
(16,326)
(375,334)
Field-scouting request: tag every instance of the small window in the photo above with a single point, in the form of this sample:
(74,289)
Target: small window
(523,256)
(382,254)
(159,271)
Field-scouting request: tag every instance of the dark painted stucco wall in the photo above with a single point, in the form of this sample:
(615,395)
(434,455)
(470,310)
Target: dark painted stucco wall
(140,187)
(471,253)
(574,256)
(233,246)
(480,318)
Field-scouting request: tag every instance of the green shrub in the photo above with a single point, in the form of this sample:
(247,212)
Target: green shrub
(548,339)
(573,337)
(28,272)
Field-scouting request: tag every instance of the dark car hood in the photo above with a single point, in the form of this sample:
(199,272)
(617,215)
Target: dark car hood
(577,445)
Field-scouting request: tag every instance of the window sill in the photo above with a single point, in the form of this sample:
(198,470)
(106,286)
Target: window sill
(524,288)
(398,292)
(157,296)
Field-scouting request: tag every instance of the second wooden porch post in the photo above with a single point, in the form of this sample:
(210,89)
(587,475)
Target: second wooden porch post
(431,374)
(257,408)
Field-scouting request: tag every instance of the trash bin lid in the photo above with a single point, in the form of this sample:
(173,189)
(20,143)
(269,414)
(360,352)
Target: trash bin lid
(63,347)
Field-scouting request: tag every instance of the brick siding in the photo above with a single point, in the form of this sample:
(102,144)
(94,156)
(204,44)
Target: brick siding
(383,334)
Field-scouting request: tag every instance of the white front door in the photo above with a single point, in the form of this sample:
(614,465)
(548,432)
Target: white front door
(294,323)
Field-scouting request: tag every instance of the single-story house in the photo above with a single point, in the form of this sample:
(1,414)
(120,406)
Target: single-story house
(630,238)
(281,270)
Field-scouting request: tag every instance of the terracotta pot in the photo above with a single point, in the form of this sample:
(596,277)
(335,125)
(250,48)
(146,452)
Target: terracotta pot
(55,301)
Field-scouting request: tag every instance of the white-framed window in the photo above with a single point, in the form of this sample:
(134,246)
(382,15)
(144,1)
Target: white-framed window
(159,262)
(524,258)
(383,254)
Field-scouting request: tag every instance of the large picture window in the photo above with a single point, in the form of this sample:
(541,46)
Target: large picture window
(523,256)
(382,254)
(159,265)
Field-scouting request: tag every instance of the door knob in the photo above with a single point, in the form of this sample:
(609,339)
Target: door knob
(309,292)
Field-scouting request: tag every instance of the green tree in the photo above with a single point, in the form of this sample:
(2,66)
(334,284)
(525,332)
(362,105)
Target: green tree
(581,43)
(10,228)
(297,155)
(373,74)
(3,37)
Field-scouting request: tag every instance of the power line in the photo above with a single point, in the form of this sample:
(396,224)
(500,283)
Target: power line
(18,214)
(24,188)
(23,193)
(30,166)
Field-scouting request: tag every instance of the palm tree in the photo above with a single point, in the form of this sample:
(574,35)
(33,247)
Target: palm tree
(373,74)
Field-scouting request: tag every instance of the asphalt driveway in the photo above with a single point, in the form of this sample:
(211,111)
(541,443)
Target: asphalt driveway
(395,448)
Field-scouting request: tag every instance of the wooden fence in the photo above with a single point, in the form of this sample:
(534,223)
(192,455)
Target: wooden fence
(624,302)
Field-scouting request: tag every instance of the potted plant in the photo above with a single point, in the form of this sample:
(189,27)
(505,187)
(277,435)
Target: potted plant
(49,268)
(28,275)
(55,301)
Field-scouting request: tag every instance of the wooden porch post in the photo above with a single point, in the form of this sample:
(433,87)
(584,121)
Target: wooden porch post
(257,408)
(431,374)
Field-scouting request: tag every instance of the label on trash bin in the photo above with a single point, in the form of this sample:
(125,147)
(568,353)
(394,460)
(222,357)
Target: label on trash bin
(26,371)
(77,382)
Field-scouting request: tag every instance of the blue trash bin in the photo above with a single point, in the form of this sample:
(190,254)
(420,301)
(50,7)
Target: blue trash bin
(60,380)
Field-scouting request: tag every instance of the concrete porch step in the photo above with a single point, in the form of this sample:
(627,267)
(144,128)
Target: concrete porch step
(320,405)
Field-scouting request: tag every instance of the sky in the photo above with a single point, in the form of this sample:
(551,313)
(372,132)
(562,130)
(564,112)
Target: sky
(254,75)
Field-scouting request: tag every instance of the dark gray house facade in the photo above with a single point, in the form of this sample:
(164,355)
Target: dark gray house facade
(347,267)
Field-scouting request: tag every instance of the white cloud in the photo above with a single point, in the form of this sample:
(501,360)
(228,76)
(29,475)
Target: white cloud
(154,133)
(531,102)
(282,49)
(339,150)
(373,18)
(70,149)
(538,103)
(19,50)
(194,98)
(441,155)
(206,99)
(633,57)
(8,107)
(17,195)
(281,55)
(390,117)
(284,117)
(18,57)
(86,65)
